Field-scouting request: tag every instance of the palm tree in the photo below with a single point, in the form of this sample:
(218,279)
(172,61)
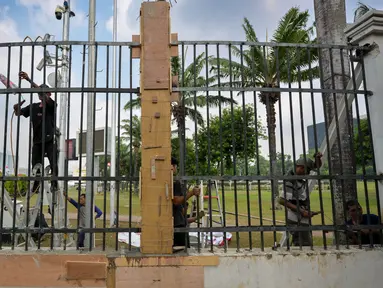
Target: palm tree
(330,24)
(361,10)
(189,101)
(192,71)
(131,133)
(267,67)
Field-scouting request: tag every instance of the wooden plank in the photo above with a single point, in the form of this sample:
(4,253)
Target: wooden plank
(81,270)
(203,260)
(161,277)
(111,274)
(155,27)
(136,51)
(174,48)
(39,270)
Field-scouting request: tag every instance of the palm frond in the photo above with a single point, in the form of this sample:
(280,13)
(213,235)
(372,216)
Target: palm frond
(135,103)
(361,10)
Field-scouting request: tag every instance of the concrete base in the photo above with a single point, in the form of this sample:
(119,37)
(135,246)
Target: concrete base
(298,269)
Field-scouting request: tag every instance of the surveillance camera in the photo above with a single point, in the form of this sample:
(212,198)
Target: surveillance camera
(59,12)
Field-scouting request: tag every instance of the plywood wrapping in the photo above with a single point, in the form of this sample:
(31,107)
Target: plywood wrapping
(156,186)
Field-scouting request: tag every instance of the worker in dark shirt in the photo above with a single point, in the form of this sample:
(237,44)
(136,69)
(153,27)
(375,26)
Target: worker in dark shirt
(81,207)
(36,111)
(357,217)
(179,200)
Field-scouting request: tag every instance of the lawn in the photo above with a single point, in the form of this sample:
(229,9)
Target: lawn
(228,199)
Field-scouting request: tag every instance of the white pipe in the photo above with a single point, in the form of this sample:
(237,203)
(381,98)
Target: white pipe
(63,103)
(90,121)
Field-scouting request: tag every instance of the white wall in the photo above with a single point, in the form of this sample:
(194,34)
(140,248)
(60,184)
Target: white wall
(348,269)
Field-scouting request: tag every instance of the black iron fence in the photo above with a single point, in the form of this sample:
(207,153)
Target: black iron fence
(249,118)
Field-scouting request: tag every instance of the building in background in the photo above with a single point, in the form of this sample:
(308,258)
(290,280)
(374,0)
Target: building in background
(8,163)
(321,132)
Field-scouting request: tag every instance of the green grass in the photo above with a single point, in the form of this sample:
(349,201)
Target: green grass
(242,197)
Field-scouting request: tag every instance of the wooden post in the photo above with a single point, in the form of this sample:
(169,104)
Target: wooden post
(156,173)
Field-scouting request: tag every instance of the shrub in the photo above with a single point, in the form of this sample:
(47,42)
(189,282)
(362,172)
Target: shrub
(21,189)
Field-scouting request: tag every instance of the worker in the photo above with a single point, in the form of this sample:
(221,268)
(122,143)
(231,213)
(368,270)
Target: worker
(179,200)
(82,221)
(35,112)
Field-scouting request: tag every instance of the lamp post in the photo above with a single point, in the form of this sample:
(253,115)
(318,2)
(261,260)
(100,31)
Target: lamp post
(90,121)
(65,13)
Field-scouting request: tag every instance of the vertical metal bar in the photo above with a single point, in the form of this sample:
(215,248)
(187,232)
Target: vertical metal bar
(293,138)
(113,120)
(208,143)
(245,124)
(233,143)
(337,129)
(276,51)
(254,84)
(118,140)
(221,148)
(269,105)
(29,154)
(326,121)
(42,181)
(52,210)
(5,149)
(299,52)
(67,144)
(131,170)
(195,136)
(91,207)
(81,138)
(15,190)
(372,146)
(106,147)
(182,140)
(90,120)
(360,138)
(316,145)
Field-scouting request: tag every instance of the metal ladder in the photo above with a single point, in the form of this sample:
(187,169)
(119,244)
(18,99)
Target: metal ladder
(206,218)
(56,203)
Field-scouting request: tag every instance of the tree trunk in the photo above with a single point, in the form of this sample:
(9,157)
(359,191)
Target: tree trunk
(330,23)
(271,124)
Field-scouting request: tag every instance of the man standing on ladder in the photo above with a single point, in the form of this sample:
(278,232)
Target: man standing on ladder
(35,111)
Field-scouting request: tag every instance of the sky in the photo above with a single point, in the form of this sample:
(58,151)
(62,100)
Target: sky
(191,19)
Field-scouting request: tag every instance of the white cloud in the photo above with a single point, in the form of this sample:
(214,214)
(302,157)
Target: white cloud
(125,28)
(42,16)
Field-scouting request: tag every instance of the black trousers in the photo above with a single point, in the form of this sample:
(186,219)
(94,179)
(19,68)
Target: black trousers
(50,149)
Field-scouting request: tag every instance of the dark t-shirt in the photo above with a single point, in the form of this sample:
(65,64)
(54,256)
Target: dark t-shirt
(178,215)
(37,120)
(365,238)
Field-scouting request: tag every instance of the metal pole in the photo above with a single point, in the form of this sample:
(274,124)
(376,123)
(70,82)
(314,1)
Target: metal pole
(63,105)
(90,120)
(114,115)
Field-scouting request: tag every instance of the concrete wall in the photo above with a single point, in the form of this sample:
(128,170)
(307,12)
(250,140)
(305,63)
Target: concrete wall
(319,269)
(299,270)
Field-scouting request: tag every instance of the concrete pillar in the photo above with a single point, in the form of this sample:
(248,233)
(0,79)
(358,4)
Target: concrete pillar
(369,30)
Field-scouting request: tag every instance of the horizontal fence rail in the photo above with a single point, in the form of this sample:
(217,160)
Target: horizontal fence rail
(249,129)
